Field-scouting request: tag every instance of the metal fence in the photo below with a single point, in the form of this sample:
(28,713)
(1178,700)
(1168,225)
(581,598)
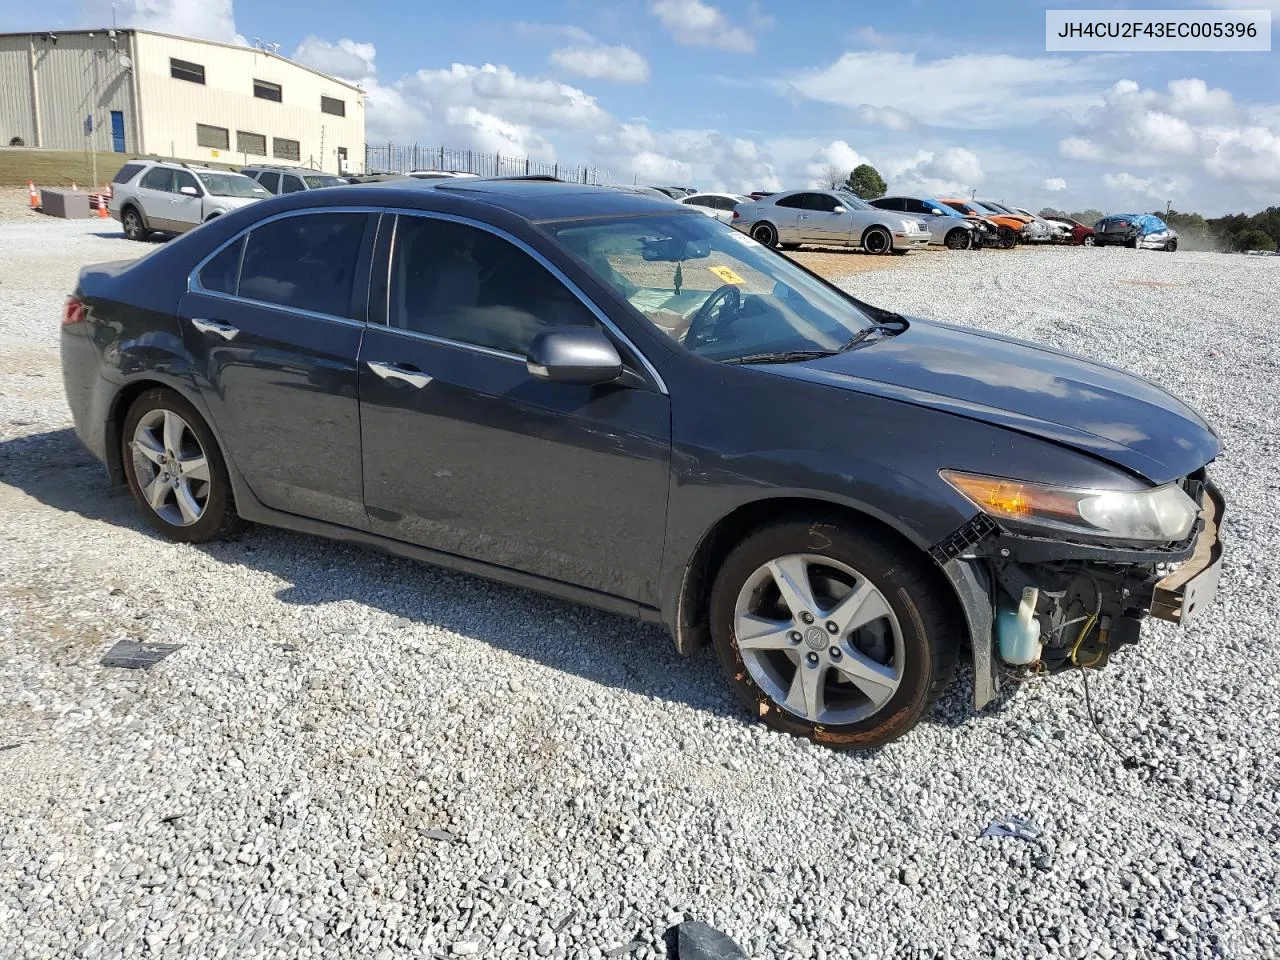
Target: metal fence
(403,157)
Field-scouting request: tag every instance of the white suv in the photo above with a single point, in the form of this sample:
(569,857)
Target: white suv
(149,196)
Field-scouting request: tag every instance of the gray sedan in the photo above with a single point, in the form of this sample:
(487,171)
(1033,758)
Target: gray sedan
(948,227)
(829,218)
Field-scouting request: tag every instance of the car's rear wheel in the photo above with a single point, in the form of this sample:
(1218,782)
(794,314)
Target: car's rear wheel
(959,239)
(831,634)
(765,233)
(134,227)
(174,469)
(1088,241)
(876,241)
(1171,246)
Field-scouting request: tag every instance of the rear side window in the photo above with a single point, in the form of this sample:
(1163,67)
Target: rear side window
(222,272)
(158,178)
(270,180)
(306,263)
(127,172)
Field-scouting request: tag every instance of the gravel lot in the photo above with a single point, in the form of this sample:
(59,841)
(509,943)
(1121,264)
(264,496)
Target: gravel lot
(354,755)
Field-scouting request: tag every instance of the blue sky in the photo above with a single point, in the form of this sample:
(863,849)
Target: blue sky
(942,97)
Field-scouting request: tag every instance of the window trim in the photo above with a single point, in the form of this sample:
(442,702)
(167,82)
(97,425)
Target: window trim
(270,86)
(226,137)
(249,153)
(650,371)
(185,65)
(332,113)
(193,282)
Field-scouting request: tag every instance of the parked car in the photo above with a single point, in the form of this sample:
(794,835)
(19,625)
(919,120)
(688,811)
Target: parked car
(439,174)
(1053,232)
(1138,230)
(158,196)
(1008,229)
(378,177)
(1081,234)
(1030,231)
(675,193)
(836,497)
(280,179)
(947,227)
(761,194)
(642,191)
(718,205)
(832,218)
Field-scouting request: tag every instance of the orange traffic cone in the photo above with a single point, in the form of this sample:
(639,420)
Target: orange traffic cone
(33,195)
(102,206)
(73,185)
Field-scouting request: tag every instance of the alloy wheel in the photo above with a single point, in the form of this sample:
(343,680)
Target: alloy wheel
(876,241)
(819,639)
(959,240)
(765,234)
(171,467)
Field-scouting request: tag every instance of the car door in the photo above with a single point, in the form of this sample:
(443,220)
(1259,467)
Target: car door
(290,183)
(467,452)
(827,220)
(152,194)
(270,181)
(273,323)
(185,202)
(724,208)
(788,215)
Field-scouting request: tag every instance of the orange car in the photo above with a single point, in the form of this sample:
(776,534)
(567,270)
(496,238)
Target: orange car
(1009,227)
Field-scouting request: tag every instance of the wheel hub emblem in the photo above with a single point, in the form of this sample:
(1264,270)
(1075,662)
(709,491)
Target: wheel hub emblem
(816,638)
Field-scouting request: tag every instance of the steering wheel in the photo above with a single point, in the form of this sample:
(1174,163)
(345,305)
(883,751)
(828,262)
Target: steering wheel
(727,297)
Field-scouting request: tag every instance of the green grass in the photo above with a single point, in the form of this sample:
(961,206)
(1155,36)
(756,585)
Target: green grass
(59,168)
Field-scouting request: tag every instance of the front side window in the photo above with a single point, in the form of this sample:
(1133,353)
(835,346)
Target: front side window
(183,179)
(158,178)
(232,185)
(821,202)
(305,263)
(718,292)
(290,184)
(270,180)
(460,283)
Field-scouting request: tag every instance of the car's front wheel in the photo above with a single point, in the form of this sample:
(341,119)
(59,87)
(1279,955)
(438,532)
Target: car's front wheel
(877,241)
(959,239)
(831,634)
(1008,239)
(175,470)
(134,228)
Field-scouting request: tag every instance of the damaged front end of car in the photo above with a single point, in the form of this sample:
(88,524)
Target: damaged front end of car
(1042,592)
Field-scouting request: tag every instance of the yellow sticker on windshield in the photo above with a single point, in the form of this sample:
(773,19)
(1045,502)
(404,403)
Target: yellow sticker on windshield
(727,275)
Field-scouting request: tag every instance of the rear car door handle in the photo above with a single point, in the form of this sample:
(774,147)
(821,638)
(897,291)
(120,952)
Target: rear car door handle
(224,330)
(393,371)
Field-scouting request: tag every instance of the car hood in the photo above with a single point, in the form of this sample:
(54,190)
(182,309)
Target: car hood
(1022,386)
(233,203)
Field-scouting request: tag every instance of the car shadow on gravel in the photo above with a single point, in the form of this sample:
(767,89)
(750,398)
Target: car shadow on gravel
(55,469)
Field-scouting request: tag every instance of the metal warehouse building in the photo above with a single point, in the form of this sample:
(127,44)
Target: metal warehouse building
(135,91)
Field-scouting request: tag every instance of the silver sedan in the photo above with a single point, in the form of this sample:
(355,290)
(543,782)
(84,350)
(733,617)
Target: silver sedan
(829,218)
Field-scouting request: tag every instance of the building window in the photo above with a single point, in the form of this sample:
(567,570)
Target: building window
(283,149)
(186,70)
(334,106)
(215,138)
(254,144)
(265,90)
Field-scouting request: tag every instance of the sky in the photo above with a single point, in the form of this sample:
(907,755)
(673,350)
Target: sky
(943,98)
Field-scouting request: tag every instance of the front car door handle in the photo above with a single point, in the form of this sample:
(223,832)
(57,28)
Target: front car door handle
(223,330)
(393,371)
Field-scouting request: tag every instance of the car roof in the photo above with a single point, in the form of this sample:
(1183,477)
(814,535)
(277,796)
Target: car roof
(534,200)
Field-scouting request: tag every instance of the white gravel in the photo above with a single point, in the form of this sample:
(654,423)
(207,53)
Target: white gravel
(279,786)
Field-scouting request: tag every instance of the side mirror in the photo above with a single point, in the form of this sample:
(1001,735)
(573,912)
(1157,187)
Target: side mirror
(839,209)
(189,191)
(580,355)
(935,211)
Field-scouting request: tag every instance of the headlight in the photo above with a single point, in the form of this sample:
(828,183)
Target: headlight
(1160,514)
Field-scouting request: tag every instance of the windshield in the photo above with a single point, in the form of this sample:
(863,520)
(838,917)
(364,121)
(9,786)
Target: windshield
(973,206)
(231,185)
(713,289)
(997,208)
(315,182)
(947,209)
(853,201)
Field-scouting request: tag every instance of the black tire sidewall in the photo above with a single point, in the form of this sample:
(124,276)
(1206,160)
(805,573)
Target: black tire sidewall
(772,238)
(219,513)
(888,241)
(959,232)
(138,234)
(893,573)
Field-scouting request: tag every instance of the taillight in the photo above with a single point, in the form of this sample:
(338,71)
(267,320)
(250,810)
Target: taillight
(735,214)
(72,312)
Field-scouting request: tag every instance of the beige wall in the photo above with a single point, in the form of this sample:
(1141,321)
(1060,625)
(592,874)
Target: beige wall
(171,108)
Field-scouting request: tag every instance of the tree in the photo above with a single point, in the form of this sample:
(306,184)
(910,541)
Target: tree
(1087,217)
(1253,239)
(832,177)
(865,181)
(1051,212)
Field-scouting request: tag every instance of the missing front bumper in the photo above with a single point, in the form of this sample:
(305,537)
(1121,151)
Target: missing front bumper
(1192,587)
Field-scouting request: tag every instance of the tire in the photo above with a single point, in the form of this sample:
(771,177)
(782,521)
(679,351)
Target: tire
(765,233)
(1008,239)
(1088,241)
(959,239)
(1132,244)
(1171,246)
(877,242)
(208,490)
(135,228)
(916,627)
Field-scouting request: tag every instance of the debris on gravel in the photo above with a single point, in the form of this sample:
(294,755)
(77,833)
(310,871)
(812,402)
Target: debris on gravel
(243,799)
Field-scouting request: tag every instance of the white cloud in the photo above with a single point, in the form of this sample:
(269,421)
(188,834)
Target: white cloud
(1155,188)
(590,58)
(346,59)
(1189,125)
(886,117)
(1055,184)
(953,170)
(955,91)
(206,19)
(686,156)
(697,24)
